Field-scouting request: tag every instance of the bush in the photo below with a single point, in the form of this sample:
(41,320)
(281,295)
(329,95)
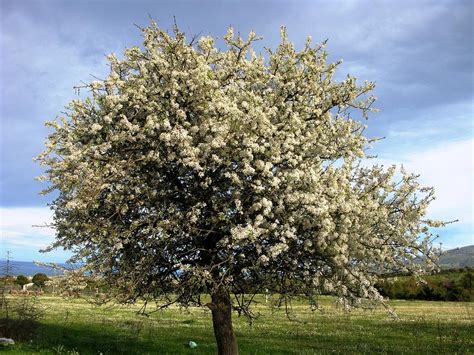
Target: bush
(39,279)
(466,281)
(22,280)
(445,286)
(19,319)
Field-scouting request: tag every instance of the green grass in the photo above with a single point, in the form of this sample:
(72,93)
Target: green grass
(423,328)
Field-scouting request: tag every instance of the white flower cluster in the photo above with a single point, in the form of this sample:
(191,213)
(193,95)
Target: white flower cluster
(195,166)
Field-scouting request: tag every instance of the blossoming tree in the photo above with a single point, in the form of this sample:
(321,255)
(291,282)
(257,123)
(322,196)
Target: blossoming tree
(192,170)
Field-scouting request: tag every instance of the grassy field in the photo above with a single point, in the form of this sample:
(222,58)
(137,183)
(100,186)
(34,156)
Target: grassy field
(76,327)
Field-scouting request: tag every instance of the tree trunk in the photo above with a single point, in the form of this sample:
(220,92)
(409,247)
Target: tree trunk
(221,308)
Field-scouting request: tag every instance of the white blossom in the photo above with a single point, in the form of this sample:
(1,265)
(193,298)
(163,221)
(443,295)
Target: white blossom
(226,165)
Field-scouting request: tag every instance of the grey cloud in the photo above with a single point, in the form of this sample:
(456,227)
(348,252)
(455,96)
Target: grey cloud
(419,52)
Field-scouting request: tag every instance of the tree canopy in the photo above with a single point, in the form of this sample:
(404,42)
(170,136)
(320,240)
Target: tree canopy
(196,169)
(39,279)
(22,280)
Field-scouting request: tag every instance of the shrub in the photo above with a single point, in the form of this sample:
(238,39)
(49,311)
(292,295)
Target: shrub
(22,280)
(444,286)
(39,279)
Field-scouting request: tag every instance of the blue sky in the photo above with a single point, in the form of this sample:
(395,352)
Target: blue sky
(420,53)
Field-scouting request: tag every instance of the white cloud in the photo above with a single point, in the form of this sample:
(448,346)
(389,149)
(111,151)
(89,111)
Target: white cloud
(19,228)
(449,169)
(24,219)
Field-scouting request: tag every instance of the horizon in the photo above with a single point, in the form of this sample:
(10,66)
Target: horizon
(66,263)
(419,54)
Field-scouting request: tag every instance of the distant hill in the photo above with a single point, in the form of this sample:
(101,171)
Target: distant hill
(457,258)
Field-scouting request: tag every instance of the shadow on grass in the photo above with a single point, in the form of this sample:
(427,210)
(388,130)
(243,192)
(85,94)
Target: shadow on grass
(127,336)
(124,337)
(20,330)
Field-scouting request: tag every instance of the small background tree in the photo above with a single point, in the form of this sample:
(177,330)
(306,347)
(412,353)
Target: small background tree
(192,169)
(6,280)
(22,280)
(39,279)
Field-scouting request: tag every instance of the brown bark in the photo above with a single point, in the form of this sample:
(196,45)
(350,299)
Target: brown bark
(221,308)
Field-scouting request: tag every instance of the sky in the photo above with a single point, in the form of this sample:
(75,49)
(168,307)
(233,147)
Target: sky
(420,54)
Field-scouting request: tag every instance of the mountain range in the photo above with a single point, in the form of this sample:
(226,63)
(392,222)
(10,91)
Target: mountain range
(457,258)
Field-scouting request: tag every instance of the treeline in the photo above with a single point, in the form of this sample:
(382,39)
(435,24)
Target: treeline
(448,285)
